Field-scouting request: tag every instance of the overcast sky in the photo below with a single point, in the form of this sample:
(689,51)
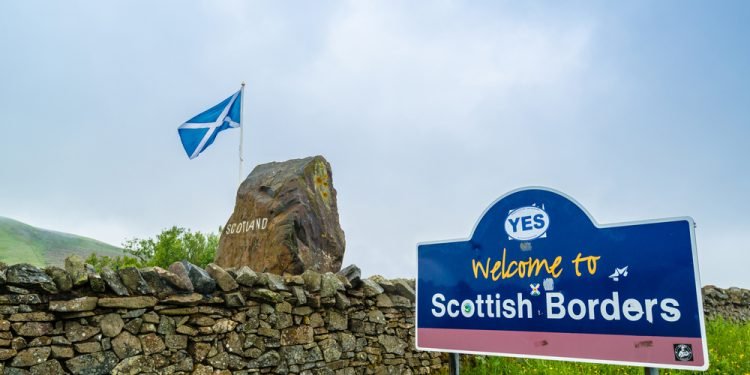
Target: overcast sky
(427,112)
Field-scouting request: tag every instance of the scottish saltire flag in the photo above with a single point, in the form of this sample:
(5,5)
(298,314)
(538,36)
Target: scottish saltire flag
(200,131)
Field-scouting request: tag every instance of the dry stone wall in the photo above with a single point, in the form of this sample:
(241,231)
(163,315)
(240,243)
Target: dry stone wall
(187,320)
(732,304)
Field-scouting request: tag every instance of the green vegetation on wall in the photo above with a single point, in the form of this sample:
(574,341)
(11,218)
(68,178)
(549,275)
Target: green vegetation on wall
(169,246)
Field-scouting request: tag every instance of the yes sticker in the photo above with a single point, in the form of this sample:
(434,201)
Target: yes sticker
(527,223)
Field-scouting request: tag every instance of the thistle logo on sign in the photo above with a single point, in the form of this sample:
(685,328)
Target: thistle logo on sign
(527,223)
(467,309)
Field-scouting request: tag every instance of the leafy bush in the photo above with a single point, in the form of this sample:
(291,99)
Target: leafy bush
(169,246)
(114,263)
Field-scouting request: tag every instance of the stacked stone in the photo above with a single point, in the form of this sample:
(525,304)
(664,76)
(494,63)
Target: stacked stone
(732,304)
(187,320)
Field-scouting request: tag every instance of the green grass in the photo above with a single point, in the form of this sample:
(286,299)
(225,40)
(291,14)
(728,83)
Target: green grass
(22,243)
(727,347)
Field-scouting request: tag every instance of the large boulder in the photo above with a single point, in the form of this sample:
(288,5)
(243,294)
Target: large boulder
(285,220)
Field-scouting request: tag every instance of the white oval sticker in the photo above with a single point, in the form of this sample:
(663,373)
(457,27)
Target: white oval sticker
(526,223)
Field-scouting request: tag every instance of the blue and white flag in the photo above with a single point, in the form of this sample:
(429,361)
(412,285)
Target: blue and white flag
(200,131)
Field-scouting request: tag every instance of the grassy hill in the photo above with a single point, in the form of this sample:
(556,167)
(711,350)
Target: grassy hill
(22,243)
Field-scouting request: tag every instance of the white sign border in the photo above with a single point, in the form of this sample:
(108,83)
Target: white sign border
(696,272)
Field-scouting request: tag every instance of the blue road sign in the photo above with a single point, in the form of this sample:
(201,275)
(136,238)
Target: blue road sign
(540,278)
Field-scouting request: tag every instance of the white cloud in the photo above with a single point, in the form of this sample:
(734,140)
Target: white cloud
(379,59)
(423,113)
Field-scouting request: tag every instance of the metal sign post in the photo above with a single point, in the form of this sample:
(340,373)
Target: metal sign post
(455,363)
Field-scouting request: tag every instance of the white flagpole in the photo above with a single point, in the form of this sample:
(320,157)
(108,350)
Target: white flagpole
(242,118)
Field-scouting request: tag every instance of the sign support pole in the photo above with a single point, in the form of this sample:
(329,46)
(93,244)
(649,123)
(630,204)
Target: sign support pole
(454,360)
(650,371)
